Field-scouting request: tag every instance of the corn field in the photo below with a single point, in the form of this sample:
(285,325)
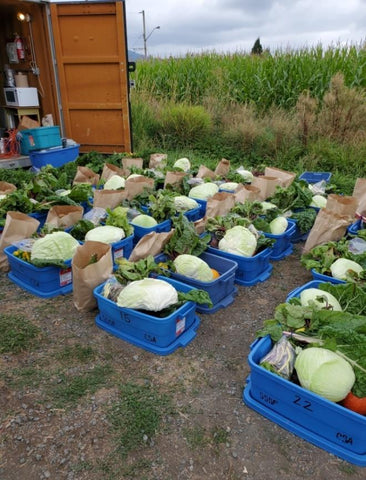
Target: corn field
(265,80)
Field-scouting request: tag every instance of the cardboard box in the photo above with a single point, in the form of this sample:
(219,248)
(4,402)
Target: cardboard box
(26,123)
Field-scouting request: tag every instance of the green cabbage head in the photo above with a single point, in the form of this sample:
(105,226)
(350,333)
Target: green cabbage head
(54,246)
(144,221)
(239,241)
(193,267)
(203,191)
(149,294)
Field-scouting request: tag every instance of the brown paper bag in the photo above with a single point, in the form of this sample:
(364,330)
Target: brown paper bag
(328,226)
(135,186)
(86,276)
(6,188)
(286,178)
(128,162)
(342,205)
(174,178)
(219,204)
(109,198)
(200,225)
(17,227)
(359,192)
(109,170)
(63,216)
(151,244)
(222,168)
(158,160)
(247,193)
(86,175)
(266,185)
(204,172)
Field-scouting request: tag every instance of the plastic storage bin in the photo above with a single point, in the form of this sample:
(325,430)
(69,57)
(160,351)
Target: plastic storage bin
(323,423)
(39,138)
(157,335)
(355,227)
(325,278)
(221,290)
(56,157)
(295,293)
(122,249)
(251,270)
(140,232)
(44,282)
(283,245)
(40,216)
(315,177)
(194,214)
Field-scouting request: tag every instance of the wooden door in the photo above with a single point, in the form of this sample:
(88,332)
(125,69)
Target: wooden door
(91,57)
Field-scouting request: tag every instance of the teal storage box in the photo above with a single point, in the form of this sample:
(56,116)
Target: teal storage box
(56,156)
(155,334)
(39,138)
(45,282)
(326,424)
(251,270)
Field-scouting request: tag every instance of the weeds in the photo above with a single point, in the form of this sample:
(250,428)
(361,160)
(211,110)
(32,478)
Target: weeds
(17,334)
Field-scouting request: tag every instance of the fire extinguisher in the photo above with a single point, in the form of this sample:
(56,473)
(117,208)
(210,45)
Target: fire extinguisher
(20,47)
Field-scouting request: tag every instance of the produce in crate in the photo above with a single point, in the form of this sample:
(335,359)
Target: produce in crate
(183,203)
(105,234)
(193,267)
(203,191)
(115,182)
(320,299)
(183,164)
(145,221)
(53,249)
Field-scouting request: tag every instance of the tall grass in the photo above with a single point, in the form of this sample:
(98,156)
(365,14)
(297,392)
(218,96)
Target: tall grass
(267,79)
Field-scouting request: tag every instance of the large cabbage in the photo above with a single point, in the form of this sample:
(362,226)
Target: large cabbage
(203,191)
(145,221)
(115,182)
(183,163)
(193,267)
(324,372)
(54,246)
(278,225)
(345,269)
(229,186)
(183,203)
(239,241)
(149,294)
(105,234)
(320,299)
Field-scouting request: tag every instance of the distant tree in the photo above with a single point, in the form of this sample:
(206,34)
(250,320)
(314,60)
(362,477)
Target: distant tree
(257,47)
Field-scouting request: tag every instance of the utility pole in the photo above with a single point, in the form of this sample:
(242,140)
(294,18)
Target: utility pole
(144,36)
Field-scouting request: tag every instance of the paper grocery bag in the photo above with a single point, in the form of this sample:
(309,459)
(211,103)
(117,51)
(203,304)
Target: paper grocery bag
(64,216)
(91,265)
(219,204)
(200,225)
(266,185)
(342,205)
(286,178)
(18,226)
(247,193)
(109,170)
(151,244)
(359,192)
(204,172)
(129,162)
(222,168)
(109,198)
(158,160)
(86,175)
(174,178)
(328,226)
(6,188)
(135,186)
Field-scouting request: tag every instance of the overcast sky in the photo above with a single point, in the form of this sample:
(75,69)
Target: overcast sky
(194,26)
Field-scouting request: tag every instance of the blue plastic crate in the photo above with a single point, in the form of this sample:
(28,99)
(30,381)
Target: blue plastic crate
(221,290)
(122,249)
(203,205)
(355,227)
(44,282)
(140,232)
(251,270)
(56,156)
(295,293)
(325,278)
(283,245)
(194,214)
(40,216)
(315,177)
(39,138)
(158,335)
(319,421)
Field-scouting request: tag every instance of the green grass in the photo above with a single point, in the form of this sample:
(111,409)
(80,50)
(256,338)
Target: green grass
(17,334)
(75,353)
(73,387)
(137,416)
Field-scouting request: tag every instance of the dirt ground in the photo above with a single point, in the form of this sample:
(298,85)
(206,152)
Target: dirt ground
(210,432)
